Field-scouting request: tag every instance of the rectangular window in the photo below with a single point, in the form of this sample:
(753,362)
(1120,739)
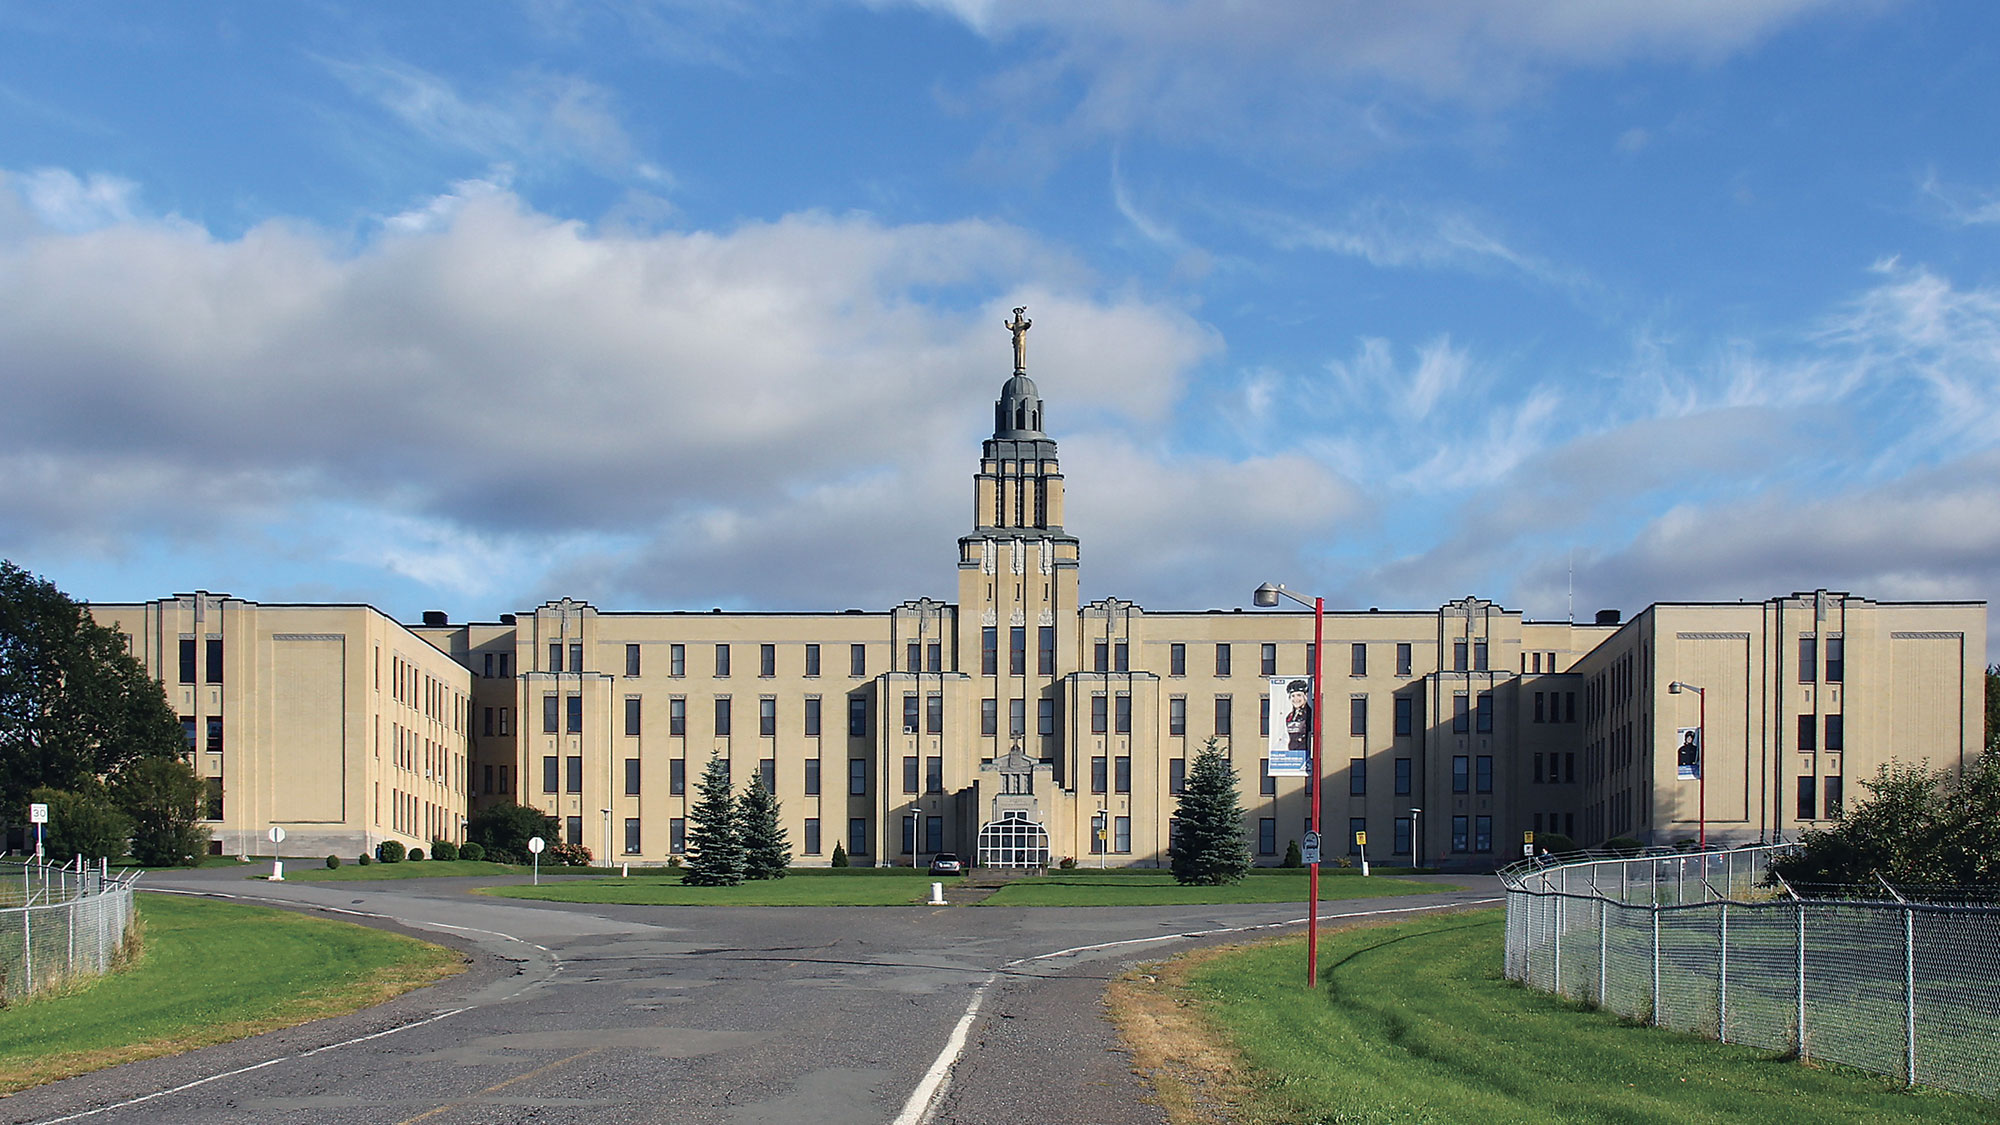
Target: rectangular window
(1266,784)
(486,667)
(1836,737)
(857,836)
(1479,656)
(767,774)
(1098,767)
(1047,716)
(1357,777)
(812,777)
(1222,716)
(677,716)
(989,650)
(1046,649)
(1121,717)
(721,661)
(677,835)
(909,773)
(934,774)
(1461,774)
(504,786)
(1808,659)
(1267,659)
(1460,831)
(910,712)
(215,734)
(1357,715)
(1121,834)
(1017,718)
(1177,715)
(913,658)
(555,656)
(933,834)
(504,659)
(631,835)
(1569,772)
(1403,777)
(1176,775)
(1177,659)
(1222,659)
(632,669)
(1405,715)
(934,657)
(1267,835)
(1483,773)
(857,660)
(857,717)
(1097,832)
(677,660)
(1402,844)
(1569,707)
(1806,734)
(1458,653)
(767,716)
(812,716)
(857,776)
(677,776)
(1100,657)
(812,660)
(1402,659)
(1357,660)
(1485,723)
(486,723)
(551,713)
(213,650)
(934,713)
(1836,671)
(551,774)
(1538,769)
(1263,716)
(573,773)
(1482,834)
(1121,657)
(1806,794)
(576,658)
(631,777)
(1538,706)
(989,716)
(722,717)
(1121,774)
(1017,650)
(1833,798)
(212,799)
(1461,713)
(575,706)
(812,835)
(631,715)
(767,660)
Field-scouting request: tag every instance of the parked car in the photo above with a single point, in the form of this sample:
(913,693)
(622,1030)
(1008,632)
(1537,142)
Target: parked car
(946,863)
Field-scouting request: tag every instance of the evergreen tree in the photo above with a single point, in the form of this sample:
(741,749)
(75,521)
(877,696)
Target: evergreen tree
(1209,849)
(75,707)
(767,853)
(839,856)
(715,831)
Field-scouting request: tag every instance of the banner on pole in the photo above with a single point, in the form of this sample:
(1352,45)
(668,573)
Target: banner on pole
(1290,748)
(1688,761)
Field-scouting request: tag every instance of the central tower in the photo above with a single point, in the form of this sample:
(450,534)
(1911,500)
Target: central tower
(1017,576)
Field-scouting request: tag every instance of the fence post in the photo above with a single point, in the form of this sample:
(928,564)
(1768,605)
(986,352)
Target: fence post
(1603,924)
(1910,991)
(1802,978)
(27,949)
(1722,979)
(1658,1006)
(1562,903)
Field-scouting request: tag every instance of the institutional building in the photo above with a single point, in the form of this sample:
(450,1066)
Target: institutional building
(1019,724)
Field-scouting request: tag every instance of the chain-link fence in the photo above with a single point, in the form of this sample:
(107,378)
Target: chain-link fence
(1698,943)
(59,923)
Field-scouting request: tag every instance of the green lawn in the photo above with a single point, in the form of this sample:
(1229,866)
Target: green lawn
(318,872)
(852,886)
(1157,888)
(1413,1023)
(209,972)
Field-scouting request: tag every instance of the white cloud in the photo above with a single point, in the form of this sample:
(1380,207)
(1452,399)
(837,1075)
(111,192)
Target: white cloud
(62,201)
(1400,234)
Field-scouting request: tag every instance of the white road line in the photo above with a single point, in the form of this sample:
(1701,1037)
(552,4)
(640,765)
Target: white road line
(929,1094)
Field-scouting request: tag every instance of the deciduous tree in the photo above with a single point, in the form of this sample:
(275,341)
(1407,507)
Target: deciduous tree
(502,831)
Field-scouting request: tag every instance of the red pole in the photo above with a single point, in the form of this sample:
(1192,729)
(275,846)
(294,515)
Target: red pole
(1701,763)
(1318,782)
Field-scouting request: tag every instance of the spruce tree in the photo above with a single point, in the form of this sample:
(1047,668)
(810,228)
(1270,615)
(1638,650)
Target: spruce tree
(1209,849)
(767,853)
(715,831)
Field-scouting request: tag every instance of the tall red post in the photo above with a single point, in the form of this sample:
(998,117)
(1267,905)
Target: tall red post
(1318,783)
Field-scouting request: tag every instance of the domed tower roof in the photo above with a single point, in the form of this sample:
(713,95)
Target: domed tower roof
(1018,413)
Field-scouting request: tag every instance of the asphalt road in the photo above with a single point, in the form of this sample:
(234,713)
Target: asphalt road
(610,1014)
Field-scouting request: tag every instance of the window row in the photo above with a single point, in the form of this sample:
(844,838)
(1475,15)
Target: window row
(564,774)
(569,657)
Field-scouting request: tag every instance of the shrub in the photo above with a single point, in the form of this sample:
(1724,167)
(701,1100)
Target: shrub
(332,862)
(1624,845)
(1558,844)
(444,850)
(1293,856)
(471,850)
(416,855)
(363,859)
(390,851)
(503,830)
(1068,863)
(839,856)
(673,861)
(568,855)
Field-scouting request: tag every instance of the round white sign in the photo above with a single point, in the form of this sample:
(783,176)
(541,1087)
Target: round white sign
(277,834)
(535,844)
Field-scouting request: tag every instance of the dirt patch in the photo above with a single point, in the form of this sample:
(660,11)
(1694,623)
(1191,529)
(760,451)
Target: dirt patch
(1195,1076)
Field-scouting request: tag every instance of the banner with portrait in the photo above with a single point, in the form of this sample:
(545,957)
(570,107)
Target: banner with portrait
(1290,746)
(1687,760)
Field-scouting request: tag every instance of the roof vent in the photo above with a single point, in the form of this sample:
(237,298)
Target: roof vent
(1608,616)
(436,617)
(506,619)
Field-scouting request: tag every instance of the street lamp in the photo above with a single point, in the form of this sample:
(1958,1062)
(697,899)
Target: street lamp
(606,861)
(1416,837)
(1265,597)
(1700,753)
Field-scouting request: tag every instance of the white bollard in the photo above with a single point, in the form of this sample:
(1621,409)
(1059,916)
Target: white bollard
(625,870)
(937,894)
(1364,868)
(277,871)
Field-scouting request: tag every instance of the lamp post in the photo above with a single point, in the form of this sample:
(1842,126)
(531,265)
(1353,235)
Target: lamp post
(1416,837)
(606,861)
(1266,596)
(1701,753)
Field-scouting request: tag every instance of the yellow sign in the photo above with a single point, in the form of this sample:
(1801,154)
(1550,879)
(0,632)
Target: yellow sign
(1527,837)
(1361,837)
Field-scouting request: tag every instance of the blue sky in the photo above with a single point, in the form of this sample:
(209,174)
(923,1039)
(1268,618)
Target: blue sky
(683,305)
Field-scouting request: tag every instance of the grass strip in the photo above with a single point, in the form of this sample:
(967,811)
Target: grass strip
(422,869)
(207,972)
(1413,1023)
(861,887)
(1068,888)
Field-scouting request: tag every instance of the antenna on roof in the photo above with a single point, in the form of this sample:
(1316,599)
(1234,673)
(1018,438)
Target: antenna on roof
(1572,585)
